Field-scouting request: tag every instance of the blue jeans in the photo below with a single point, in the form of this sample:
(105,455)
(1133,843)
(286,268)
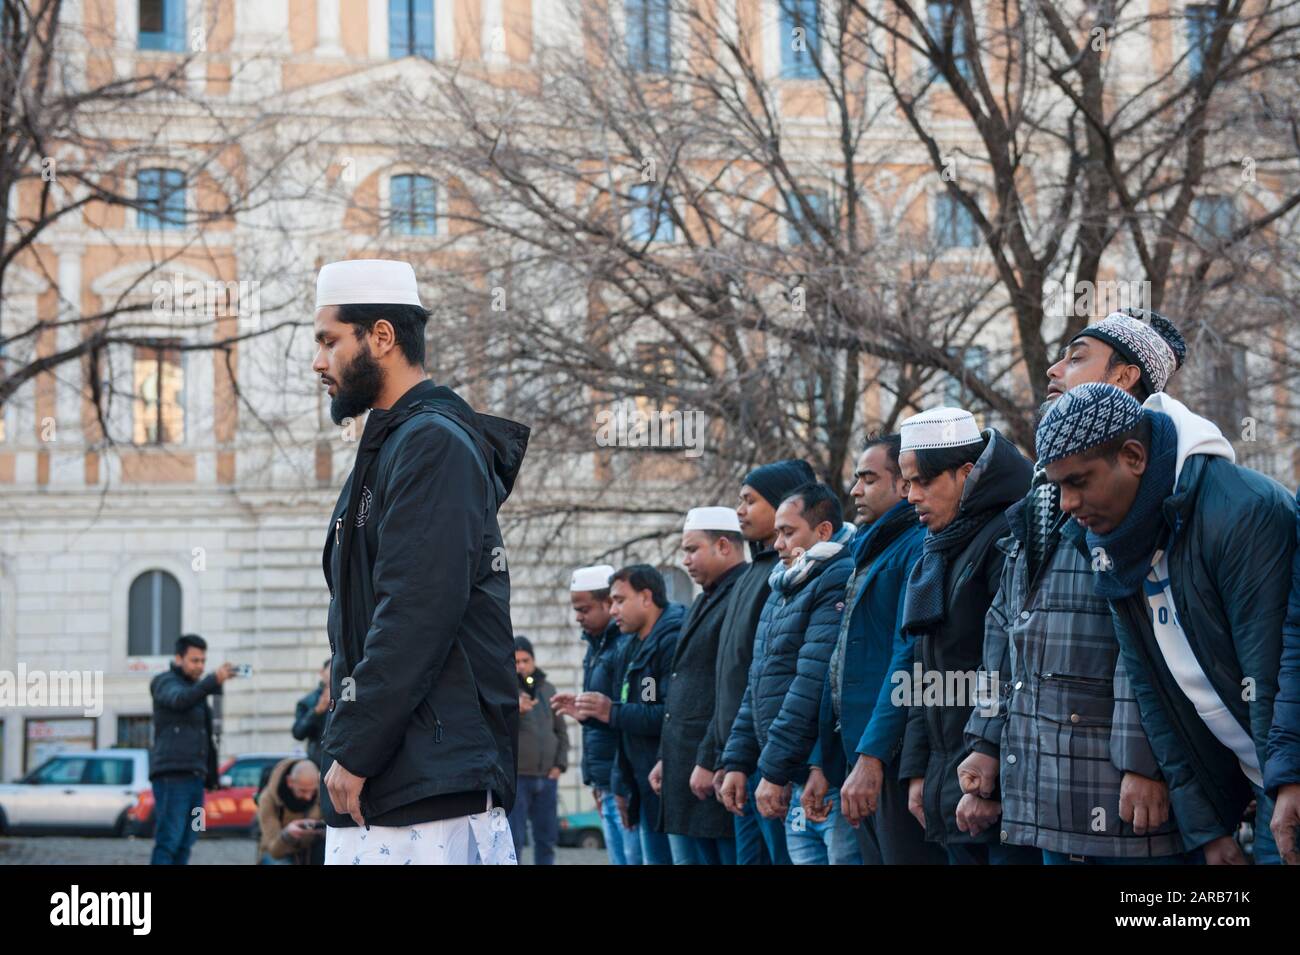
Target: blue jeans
(820,843)
(175,799)
(536,799)
(692,850)
(1266,852)
(287,860)
(622,844)
(770,831)
(655,849)
(1062,858)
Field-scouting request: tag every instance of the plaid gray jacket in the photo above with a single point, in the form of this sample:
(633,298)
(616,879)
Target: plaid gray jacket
(1067,726)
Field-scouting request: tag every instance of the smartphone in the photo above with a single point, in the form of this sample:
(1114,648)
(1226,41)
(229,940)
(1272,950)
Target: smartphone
(243,669)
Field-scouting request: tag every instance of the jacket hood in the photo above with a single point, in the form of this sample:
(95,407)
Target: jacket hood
(502,441)
(1000,477)
(1196,435)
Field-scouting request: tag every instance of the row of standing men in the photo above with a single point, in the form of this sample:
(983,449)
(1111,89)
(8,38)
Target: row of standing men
(1087,661)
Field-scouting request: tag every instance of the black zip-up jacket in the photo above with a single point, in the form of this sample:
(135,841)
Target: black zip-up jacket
(424,701)
(599,742)
(182,725)
(736,650)
(934,743)
(641,687)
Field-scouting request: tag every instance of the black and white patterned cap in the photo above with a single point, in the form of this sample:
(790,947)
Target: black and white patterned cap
(1146,339)
(1085,417)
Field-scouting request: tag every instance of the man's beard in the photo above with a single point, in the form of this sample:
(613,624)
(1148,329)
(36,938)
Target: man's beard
(359,387)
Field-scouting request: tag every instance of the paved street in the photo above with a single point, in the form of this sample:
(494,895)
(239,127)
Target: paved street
(74,850)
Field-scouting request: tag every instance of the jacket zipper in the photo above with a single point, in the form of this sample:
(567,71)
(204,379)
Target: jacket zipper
(1064,678)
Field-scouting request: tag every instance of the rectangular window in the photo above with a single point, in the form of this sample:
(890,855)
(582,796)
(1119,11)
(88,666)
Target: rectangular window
(414,205)
(161,193)
(410,28)
(648,43)
(651,214)
(1215,217)
(800,38)
(1201,18)
(158,408)
(135,732)
(162,25)
(975,361)
(799,228)
(954,226)
(940,12)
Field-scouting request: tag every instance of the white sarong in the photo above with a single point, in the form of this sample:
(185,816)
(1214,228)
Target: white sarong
(482,838)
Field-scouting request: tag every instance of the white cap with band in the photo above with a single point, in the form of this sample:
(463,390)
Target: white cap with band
(367,282)
(712,519)
(595,577)
(939,428)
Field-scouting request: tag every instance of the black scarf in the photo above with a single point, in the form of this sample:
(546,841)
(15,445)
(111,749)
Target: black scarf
(286,796)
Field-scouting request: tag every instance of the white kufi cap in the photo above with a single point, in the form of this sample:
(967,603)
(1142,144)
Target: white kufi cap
(367,282)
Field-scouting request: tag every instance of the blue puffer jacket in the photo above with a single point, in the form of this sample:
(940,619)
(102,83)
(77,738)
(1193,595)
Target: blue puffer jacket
(1229,568)
(872,646)
(776,728)
(1283,766)
(599,741)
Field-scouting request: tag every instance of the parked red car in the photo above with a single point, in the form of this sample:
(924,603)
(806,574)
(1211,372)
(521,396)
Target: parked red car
(229,809)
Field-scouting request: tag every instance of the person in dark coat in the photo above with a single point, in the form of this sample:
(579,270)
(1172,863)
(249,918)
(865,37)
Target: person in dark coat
(543,758)
(961,481)
(183,759)
(589,597)
(762,490)
(1282,772)
(309,716)
(861,730)
(699,829)
(636,711)
(423,720)
(1194,554)
(776,728)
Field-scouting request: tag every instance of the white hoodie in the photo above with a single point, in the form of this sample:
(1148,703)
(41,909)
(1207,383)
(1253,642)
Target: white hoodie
(1196,435)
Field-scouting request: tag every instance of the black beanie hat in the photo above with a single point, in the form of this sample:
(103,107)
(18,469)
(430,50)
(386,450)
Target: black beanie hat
(774,481)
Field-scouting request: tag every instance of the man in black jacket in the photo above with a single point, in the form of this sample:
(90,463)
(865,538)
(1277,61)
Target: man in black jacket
(420,744)
(700,831)
(589,597)
(183,760)
(961,481)
(760,493)
(309,716)
(636,711)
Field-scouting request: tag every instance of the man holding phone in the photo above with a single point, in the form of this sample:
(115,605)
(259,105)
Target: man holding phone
(183,759)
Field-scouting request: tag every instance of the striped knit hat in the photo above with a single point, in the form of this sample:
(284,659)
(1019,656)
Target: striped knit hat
(1085,417)
(1145,339)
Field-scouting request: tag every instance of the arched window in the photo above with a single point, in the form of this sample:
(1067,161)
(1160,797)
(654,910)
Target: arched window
(415,207)
(678,584)
(153,614)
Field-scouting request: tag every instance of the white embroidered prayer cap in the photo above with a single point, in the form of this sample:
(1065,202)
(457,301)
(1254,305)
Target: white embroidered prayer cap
(712,519)
(595,577)
(367,282)
(939,428)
